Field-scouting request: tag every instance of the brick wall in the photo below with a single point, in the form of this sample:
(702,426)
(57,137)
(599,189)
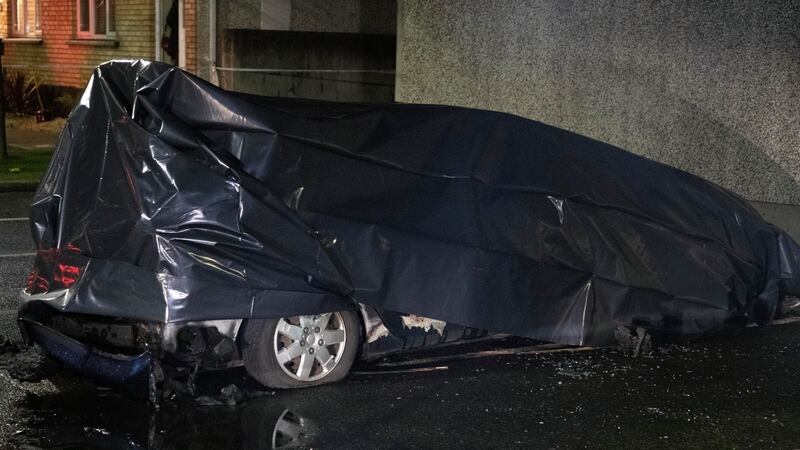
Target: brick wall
(61,59)
(190,34)
(5,15)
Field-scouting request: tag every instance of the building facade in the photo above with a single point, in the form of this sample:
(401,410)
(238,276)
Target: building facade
(60,41)
(341,50)
(327,49)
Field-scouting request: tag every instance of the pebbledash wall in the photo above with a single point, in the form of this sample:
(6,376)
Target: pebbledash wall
(61,59)
(710,87)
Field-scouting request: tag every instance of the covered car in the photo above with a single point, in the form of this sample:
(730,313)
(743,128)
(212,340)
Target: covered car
(171,203)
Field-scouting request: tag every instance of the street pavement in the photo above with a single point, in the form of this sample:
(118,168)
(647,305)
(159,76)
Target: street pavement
(16,261)
(734,391)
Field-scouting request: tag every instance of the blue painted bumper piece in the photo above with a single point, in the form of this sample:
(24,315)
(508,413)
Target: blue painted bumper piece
(131,373)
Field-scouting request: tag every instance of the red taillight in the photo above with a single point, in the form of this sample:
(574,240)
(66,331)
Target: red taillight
(36,284)
(29,283)
(40,285)
(51,271)
(66,274)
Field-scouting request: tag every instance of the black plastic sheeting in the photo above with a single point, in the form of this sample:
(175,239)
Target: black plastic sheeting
(181,201)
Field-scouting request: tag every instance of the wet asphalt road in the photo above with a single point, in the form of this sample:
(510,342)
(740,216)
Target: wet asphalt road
(15,260)
(736,391)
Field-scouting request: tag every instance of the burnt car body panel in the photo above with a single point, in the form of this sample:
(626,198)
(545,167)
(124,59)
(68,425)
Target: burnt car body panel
(169,200)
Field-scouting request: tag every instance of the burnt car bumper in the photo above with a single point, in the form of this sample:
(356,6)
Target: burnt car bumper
(132,372)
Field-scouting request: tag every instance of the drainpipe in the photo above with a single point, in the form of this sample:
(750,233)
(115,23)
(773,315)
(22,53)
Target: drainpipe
(159,30)
(212,42)
(181,36)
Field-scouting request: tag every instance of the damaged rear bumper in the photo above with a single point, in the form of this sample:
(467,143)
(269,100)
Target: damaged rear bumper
(131,372)
(131,354)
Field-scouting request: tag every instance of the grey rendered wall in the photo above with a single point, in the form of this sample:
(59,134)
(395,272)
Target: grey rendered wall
(709,87)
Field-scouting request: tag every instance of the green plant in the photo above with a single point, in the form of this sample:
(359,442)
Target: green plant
(21,91)
(64,103)
(24,166)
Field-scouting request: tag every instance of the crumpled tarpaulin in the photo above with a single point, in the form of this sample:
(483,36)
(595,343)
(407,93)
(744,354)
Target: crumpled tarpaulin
(177,200)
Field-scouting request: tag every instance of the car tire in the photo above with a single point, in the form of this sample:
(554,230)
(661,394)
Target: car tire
(301,351)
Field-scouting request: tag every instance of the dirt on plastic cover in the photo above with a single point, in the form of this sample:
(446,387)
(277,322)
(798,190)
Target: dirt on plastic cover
(169,199)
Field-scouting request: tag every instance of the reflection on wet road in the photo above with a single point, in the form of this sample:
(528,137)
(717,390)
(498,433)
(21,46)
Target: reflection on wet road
(724,392)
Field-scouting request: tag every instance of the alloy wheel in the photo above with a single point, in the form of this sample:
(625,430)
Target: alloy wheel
(308,347)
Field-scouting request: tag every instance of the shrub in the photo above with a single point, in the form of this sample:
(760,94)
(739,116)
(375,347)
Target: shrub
(25,93)
(65,100)
(21,91)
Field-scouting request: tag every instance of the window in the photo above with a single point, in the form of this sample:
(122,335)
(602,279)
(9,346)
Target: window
(25,18)
(96,19)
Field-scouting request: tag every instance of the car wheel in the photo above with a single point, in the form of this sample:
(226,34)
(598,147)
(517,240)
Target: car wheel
(301,351)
